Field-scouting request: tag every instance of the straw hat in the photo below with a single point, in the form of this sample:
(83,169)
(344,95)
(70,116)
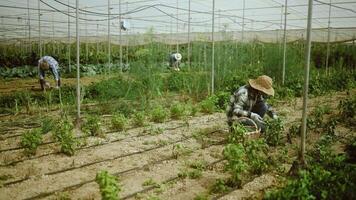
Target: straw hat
(44,65)
(262,83)
(178,56)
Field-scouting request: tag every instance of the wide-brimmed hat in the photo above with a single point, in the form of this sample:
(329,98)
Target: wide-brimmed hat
(44,65)
(262,83)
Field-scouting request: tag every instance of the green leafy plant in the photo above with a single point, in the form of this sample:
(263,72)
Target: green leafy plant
(177,111)
(158,114)
(92,126)
(109,186)
(274,131)
(64,135)
(150,182)
(220,186)
(237,133)
(31,140)
(47,125)
(236,162)
(257,155)
(139,119)
(208,105)
(119,122)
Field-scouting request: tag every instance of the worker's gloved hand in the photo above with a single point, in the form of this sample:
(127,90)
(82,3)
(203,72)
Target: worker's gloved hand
(275,116)
(256,117)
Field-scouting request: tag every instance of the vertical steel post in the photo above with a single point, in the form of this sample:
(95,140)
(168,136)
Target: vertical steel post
(69,42)
(109,38)
(177,48)
(213,50)
(29,26)
(86,39)
(243,21)
(39,28)
(188,56)
(97,44)
(78,60)
(127,36)
(53,45)
(284,42)
(328,44)
(120,36)
(306,82)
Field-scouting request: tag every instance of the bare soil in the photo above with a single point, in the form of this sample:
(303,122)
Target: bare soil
(136,156)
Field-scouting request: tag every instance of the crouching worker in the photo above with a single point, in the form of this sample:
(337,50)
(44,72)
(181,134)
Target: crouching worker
(249,101)
(174,61)
(48,63)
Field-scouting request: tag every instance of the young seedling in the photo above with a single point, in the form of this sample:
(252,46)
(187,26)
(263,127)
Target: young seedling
(150,182)
(31,140)
(108,185)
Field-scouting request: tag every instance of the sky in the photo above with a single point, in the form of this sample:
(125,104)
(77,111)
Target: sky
(163,16)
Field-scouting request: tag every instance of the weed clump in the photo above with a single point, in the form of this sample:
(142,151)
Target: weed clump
(47,125)
(208,105)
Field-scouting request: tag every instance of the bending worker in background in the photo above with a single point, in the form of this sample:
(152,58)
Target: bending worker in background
(174,61)
(250,101)
(48,63)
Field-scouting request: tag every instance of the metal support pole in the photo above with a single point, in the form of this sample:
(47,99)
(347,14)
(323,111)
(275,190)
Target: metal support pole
(109,38)
(86,39)
(177,30)
(53,45)
(188,56)
(39,28)
(328,44)
(78,60)
(306,83)
(29,26)
(120,35)
(127,36)
(213,50)
(284,42)
(243,21)
(97,44)
(69,43)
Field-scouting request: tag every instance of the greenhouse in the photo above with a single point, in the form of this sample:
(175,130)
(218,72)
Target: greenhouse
(177,99)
